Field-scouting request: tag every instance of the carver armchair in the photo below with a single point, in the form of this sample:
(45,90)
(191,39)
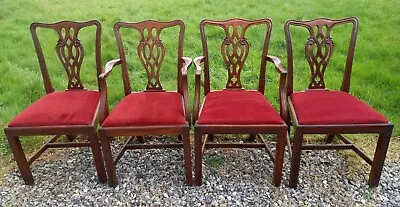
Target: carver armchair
(71,112)
(318,110)
(153,111)
(235,110)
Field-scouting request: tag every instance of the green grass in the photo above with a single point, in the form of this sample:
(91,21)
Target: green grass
(375,71)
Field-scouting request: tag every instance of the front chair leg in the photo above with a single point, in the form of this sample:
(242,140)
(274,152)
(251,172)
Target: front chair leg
(279,155)
(187,157)
(108,159)
(379,158)
(295,160)
(97,157)
(198,168)
(20,158)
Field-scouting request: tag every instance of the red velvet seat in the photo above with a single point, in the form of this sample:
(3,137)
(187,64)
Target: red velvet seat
(60,108)
(238,107)
(333,107)
(147,108)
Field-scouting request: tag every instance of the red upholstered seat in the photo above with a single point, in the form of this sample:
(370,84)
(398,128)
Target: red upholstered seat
(238,107)
(146,109)
(333,107)
(59,108)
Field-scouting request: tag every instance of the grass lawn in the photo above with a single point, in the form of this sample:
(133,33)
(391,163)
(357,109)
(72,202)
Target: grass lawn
(375,77)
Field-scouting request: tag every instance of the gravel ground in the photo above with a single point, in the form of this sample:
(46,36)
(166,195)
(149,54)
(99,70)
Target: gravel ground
(232,177)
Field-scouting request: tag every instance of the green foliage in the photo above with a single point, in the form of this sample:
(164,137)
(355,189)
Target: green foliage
(375,69)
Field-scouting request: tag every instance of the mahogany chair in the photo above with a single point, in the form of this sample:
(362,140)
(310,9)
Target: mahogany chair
(332,112)
(235,110)
(71,112)
(153,111)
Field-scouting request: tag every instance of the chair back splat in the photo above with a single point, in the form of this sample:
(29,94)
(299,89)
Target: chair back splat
(234,50)
(69,49)
(319,49)
(150,51)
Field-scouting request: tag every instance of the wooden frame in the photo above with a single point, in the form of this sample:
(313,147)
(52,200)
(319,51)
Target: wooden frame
(64,29)
(146,29)
(315,28)
(236,39)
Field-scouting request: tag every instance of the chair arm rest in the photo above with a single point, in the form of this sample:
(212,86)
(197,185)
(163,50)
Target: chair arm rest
(103,107)
(283,106)
(186,64)
(197,61)
(277,63)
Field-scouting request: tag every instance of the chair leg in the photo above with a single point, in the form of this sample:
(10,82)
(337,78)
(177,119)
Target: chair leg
(295,160)
(20,158)
(279,155)
(108,159)
(180,137)
(379,158)
(71,137)
(187,157)
(198,168)
(329,138)
(97,157)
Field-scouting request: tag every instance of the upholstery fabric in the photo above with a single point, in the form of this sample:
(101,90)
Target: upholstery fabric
(333,107)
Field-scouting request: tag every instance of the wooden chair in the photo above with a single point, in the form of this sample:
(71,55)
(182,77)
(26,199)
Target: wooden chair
(235,110)
(333,112)
(71,112)
(153,111)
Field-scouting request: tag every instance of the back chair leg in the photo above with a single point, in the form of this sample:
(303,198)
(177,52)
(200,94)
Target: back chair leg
(20,158)
(295,160)
(329,138)
(71,137)
(97,157)
(187,157)
(108,159)
(198,168)
(279,154)
(379,158)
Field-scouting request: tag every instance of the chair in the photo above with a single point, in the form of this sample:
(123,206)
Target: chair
(71,112)
(332,112)
(153,111)
(235,110)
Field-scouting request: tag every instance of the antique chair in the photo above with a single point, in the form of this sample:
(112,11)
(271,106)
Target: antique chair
(332,112)
(235,110)
(153,111)
(71,112)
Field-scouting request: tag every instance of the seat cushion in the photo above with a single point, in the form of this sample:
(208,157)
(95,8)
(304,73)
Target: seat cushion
(59,108)
(147,109)
(333,107)
(238,107)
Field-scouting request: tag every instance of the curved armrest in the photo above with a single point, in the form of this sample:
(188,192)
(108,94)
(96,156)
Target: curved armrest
(277,63)
(103,108)
(109,66)
(197,61)
(186,64)
(283,109)
(187,61)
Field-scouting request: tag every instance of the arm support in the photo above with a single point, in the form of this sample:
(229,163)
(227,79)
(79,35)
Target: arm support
(283,109)
(186,64)
(103,108)
(197,61)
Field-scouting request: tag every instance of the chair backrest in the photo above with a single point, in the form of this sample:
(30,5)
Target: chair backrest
(319,50)
(69,49)
(234,50)
(150,51)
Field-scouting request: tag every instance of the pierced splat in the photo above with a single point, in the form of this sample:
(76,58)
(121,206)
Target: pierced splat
(318,51)
(70,53)
(151,52)
(235,50)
